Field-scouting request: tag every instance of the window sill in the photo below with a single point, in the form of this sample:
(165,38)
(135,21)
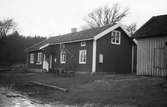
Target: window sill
(39,63)
(82,62)
(115,43)
(83,45)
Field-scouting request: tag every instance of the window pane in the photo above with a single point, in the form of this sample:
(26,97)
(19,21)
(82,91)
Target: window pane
(83,43)
(82,56)
(115,38)
(62,57)
(31,58)
(100,58)
(39,58)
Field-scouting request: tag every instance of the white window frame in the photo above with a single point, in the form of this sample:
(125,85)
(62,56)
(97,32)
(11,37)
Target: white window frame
(62,57)
(83,43)
(116,35)
(32,56)
(39,58)
(82,56)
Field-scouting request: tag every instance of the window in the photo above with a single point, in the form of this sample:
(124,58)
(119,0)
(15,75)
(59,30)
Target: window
(116,37)
(31,58)
(62,57)
(100,58)
(83,43)
(39,58)
(82,57)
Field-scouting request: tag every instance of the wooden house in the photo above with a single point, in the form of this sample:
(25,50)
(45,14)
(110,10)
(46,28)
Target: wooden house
(103,49)
(152,47)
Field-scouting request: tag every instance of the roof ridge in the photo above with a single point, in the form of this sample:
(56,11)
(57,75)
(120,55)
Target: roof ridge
(83,30)
(81,35)
(162,15)
(153,27)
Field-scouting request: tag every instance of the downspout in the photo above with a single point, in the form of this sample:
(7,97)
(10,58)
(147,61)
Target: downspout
(94,56)
(132,57)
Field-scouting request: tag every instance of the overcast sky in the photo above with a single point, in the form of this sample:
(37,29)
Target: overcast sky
(54,17)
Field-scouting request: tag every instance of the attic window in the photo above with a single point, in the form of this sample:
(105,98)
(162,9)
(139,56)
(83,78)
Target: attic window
(83,43)
(115,37)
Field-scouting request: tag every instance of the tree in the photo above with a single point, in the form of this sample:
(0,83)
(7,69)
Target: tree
(132,28)
(106,15)
(6,26)
(13,46)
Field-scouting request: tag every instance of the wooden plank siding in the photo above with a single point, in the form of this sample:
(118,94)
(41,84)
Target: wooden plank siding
(72,56)
(116,58)
(151,56)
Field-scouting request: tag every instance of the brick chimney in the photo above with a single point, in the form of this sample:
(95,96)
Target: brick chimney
(73,30)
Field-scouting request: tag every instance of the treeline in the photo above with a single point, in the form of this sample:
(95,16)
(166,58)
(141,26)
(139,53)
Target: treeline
(12,48)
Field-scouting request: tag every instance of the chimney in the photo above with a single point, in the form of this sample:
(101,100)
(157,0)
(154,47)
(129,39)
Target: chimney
(73,30)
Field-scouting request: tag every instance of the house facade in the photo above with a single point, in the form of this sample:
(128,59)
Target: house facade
(104,49)
(152,47)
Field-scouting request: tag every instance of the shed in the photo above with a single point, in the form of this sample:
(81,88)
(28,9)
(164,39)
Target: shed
(152,47)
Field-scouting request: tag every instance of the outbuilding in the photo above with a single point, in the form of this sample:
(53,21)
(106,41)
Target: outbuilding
(152,47)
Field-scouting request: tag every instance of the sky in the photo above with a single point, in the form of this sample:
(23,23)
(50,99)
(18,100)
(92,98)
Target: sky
(55,17)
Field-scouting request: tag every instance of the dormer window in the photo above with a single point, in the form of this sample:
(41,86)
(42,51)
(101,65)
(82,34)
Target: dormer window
(115,37)
(83,43)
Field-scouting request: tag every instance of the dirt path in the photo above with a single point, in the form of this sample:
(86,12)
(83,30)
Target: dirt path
(9,98)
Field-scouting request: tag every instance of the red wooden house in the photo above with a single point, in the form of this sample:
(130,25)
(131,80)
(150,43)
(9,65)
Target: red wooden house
(103,49)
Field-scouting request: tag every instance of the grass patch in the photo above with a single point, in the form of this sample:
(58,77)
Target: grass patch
(100,90)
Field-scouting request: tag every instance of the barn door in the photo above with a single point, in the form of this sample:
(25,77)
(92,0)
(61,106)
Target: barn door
(160,61)
(160,58)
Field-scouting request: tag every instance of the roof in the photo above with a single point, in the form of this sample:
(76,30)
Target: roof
(71,37)
(155,27)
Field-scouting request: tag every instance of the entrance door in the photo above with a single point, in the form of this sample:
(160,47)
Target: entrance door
(45,63)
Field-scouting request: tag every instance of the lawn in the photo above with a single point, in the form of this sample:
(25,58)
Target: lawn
(98,90)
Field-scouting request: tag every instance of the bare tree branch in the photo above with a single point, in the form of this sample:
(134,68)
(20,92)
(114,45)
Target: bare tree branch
(132,28)
(5,26)
(105,15)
